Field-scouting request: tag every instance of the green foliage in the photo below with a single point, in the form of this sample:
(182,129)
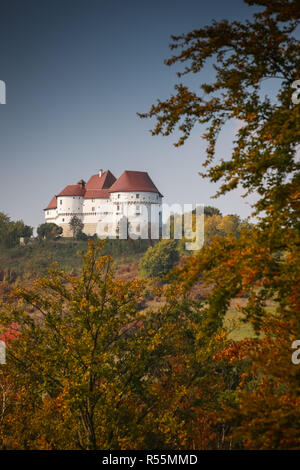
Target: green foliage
(81,236)
(159,259)
(265,161)
(210,210)
(38,256)
(10,231)
(76,225)
(49,231)
(90,370)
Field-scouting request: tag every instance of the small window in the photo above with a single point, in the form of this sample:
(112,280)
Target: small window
(47,212)
(137,208)
(63,220)
(60,201)
(137,196)
(93,200)
(138,228)
(93,209)
(119,196)
(118,208)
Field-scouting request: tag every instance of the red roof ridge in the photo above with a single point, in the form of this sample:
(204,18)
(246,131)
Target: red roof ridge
(133,180)
(101,185)
(52,204)
(104,181)
(72,190)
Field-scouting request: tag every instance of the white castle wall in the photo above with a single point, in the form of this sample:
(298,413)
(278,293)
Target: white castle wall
(50,215)
(136,207)
(103,216)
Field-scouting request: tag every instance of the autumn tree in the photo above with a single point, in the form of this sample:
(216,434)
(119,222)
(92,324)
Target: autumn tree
(264,159)
(89,369)
(262,264)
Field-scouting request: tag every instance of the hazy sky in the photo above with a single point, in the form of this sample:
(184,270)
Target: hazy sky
(76,72)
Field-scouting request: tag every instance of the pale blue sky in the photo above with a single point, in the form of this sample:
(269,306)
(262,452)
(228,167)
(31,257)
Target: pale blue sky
(77,71)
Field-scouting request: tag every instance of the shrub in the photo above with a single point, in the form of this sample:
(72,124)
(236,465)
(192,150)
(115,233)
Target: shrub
(159,259)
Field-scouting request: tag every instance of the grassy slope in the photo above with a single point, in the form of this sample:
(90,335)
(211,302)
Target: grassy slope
(35,259)
(26,263)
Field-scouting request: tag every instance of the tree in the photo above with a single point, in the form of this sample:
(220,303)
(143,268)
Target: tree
(264,157)
(159,259)
(49,231)
(266,412)
(244,56)
(263,263)
(76,225)
(217,226)
(11,231)
(210,210)
(88,369)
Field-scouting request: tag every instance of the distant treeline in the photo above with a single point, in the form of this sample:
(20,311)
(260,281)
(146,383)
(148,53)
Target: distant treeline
(11,232)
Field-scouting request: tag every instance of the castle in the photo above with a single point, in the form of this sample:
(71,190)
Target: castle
(128,206)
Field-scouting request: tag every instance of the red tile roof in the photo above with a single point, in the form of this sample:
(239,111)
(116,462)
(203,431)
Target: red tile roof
(97,187)
(97,194)
(52,204)
(134,181)
(101,187)
(103,182)
(72,190)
